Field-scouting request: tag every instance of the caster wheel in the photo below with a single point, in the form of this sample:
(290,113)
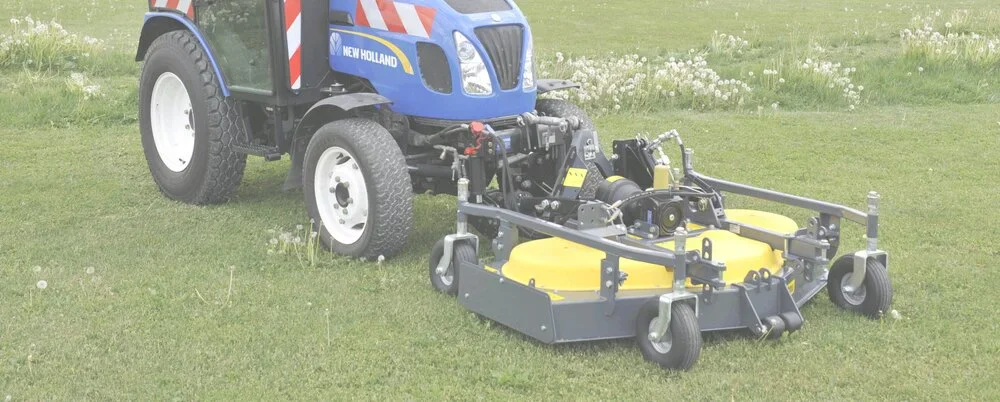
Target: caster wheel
(793,322)
(447,282)
(775,327)
(680,347)
(872,299)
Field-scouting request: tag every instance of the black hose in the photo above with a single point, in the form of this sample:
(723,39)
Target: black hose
(508,181)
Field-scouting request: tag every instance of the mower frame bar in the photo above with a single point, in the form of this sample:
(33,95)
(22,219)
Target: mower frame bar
(832,209)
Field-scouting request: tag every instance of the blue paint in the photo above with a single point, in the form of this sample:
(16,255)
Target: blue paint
(201,39)
(409,94)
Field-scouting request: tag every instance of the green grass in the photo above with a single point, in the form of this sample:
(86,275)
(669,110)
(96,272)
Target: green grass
(162,316)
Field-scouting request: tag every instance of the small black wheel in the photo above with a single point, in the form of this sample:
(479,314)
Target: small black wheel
(447,282)
(357,189)
(874,296)
(188,127)
(680,347)
(775,327)
(793,322)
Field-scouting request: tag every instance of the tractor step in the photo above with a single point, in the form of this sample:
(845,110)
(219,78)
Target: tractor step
(271,154)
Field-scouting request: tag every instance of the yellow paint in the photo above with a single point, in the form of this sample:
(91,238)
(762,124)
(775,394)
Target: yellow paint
(560,264)
(575,177)
(555,297)
(403,60)
(613,179)
(661,177)
(490,269)
(791,286)
(763,220)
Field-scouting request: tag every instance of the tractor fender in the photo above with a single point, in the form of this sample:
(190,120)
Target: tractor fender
(322,112)
(159,23)
(336,107)
(549,85)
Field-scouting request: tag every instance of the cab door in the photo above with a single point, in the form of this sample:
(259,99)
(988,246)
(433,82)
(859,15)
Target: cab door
(237,31)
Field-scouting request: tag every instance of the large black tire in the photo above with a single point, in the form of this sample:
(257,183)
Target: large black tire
(214,170)
(561,108)
(684,345)
(389,207)
(873,299)
(448,282)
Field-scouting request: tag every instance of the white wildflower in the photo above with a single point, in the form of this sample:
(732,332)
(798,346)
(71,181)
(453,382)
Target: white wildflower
(42,284)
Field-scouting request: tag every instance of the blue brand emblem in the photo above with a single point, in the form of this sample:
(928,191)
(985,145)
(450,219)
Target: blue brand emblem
(335,43)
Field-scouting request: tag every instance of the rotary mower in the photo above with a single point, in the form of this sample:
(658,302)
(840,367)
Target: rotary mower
(374,100)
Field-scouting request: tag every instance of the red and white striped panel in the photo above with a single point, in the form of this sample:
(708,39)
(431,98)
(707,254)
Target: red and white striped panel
(293,36)
(184,6)
(398,17)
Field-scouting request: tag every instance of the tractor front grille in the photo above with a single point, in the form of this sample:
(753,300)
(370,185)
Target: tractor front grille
(504,46)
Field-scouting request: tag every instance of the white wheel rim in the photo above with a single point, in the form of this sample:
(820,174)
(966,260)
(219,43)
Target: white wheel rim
(341,195)
(172,122)
(664,345)
(856,297)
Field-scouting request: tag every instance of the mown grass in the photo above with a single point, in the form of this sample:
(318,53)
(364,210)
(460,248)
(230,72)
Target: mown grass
(162,315)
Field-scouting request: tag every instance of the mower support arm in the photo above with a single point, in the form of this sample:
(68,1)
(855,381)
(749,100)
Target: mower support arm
(651,255)
(788,199)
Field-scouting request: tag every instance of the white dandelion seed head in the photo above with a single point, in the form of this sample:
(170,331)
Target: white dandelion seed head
(42,284)
(298,227)
(89,270)
(37,268)
(381,259)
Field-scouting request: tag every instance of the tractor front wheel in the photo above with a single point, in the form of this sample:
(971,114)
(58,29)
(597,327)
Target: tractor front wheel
(357,189)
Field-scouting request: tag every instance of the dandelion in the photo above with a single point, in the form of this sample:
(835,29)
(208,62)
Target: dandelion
(37,268)
(42,284)
(89,270)
(781,80)
(895,315)
(298,227)
(920,69)
(751,73)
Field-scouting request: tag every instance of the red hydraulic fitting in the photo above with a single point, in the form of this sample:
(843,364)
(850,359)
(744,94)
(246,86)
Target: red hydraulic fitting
(477,127)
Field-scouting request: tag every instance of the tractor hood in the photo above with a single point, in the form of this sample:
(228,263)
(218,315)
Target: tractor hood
(442,59)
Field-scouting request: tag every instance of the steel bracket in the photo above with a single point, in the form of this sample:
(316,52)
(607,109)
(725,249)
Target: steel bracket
(666,303)
(861,267)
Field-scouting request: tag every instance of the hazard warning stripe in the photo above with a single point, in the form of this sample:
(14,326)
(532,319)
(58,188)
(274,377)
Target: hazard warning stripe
(293,36)
(399,17)
(184,6)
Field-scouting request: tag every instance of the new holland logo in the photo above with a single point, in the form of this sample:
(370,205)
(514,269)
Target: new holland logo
(370,56)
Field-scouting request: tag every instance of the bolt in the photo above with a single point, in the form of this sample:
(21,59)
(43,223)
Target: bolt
(337,179)
(609,284)
(608,270)
(543,328)
(345,211)
(555,205)
(342,221)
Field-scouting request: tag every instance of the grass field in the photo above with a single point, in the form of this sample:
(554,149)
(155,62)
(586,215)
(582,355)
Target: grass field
(150,299)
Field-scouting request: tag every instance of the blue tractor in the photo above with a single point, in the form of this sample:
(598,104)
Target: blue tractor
(364,95)
(377,99)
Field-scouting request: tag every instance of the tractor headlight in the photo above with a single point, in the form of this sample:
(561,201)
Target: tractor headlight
(529,68)
(475,76)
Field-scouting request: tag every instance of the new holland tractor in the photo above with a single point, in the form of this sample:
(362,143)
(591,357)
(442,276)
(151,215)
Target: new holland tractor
(373,100)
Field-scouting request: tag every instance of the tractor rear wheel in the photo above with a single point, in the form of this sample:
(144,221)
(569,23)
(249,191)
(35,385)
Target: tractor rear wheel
(357,189)
(187,125)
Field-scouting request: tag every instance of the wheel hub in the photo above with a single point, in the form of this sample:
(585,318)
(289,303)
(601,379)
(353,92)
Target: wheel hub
(172,122)
(855,297)
(341,195)
(665,343)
